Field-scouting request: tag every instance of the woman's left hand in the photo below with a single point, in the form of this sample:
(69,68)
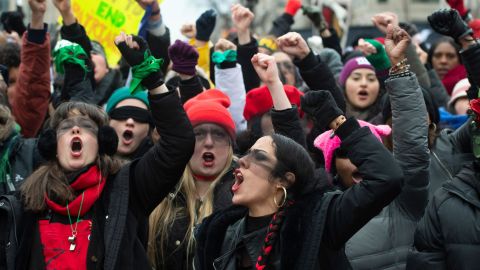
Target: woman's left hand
(266,68)
(396,43)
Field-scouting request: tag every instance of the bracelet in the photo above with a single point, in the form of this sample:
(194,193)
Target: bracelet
(400,75)
(400,67)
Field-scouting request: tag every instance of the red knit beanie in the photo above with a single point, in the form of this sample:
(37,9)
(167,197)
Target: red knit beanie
(259,101)
(475,25)
(211,107)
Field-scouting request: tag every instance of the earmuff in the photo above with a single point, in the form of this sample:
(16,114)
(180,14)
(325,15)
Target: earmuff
(106,137)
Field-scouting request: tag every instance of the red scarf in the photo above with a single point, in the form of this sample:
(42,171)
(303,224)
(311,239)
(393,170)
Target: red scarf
(452,77)
(55,236)
(92,183)
(204,178)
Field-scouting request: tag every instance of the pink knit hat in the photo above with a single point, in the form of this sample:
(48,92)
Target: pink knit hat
(459,91)
(328,145)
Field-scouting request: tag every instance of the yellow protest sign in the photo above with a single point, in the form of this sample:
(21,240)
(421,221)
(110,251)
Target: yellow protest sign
(105,19)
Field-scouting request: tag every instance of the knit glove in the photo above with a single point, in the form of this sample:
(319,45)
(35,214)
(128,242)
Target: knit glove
(13,21)
(321,105)
(380,59)
(314,13)
(136,58)
(184,57)
(449,23)
(458,5)
(205,25)
(293,6)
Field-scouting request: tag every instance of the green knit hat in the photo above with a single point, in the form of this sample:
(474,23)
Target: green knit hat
(124,93)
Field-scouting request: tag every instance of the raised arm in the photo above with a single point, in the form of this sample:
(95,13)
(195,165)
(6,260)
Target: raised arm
(184,60)
(314,72)
(284,117)
(32,94)
(247,46)
(409,127)
(160,169)
(229,79)
(350,211)
(71,29)
(156,32)
(283,23)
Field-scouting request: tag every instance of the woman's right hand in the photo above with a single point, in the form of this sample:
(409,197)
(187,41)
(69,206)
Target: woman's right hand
(266,68)
(396,43)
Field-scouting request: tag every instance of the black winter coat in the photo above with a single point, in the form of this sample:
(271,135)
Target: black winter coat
(129,196)
(448,236)
(23,159)
(450,151)
(317,226)
(286,122)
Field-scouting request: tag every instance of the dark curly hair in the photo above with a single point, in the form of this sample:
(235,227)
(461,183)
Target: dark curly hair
(10,55)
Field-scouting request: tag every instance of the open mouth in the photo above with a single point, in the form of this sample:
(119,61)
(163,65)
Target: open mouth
(357,177)
(238,180)
(363,93)
(76,146)
(208,159)
(127,136)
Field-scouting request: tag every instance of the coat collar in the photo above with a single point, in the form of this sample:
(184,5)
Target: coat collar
(466,185)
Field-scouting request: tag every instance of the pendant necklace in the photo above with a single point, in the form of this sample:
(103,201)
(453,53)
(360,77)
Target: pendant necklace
(73,237)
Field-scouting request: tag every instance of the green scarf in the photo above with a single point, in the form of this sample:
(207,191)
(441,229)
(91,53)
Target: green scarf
(226,56)
(69,52)
(5,168)
(139,72)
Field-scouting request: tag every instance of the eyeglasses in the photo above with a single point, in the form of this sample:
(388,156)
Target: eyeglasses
(80,121)
(217,135)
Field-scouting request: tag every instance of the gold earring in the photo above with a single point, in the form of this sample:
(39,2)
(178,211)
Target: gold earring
(284,197)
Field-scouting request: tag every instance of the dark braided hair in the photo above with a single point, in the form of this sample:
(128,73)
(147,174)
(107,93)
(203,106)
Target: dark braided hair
(291,157)
(271,237)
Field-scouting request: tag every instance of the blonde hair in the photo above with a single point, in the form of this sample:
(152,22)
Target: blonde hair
(163,217)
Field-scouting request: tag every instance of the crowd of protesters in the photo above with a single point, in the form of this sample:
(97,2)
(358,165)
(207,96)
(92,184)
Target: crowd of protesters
(250,152)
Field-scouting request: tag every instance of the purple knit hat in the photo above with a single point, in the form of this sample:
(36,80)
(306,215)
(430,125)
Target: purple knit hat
(328,145)
(351,65)
(184,57)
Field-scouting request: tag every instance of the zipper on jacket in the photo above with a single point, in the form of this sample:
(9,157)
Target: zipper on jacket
(442,165)
(222,257)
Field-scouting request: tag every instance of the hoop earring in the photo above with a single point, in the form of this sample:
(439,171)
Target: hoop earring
(284,198)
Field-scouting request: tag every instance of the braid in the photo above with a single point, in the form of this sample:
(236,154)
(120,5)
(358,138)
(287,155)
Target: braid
(271,237)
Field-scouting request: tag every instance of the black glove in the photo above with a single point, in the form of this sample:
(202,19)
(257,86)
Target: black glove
(314,13)
(137,56)
(321,105)
(205,25)
(134,56)
(449,23)
(13,21)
